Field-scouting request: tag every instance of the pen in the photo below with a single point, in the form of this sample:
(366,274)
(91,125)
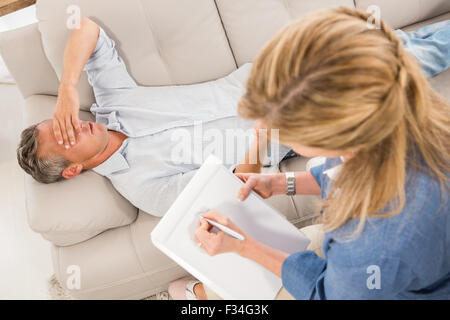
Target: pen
(227,230)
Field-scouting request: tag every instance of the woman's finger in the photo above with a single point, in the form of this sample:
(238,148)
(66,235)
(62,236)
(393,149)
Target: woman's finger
(205,225)
(216,216)
(196,239)
(243,176)
(202,235)
(246,188)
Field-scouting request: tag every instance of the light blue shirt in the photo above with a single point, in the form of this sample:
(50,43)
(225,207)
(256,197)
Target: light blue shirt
(144,169)
(406,256)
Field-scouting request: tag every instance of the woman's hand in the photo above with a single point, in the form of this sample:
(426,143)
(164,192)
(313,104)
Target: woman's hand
(220,242)
(216,243)
(266,185)
(66,122)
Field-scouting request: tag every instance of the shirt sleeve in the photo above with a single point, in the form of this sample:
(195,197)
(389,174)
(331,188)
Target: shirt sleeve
(308,277)
(430,45)
(317,173)
(105,68)
(300,273)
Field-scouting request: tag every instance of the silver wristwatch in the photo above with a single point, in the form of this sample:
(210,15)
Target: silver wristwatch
(290,183)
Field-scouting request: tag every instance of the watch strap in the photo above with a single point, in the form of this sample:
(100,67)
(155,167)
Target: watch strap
(290,183)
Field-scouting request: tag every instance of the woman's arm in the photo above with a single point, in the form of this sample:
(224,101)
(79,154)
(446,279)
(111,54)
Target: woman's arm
(267,185)
(305,183)
(270,258)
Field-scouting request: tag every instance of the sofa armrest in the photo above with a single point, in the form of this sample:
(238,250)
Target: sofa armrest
(24,56)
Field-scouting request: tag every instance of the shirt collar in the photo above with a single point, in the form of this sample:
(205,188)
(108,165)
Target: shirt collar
(333,171)
(114,163)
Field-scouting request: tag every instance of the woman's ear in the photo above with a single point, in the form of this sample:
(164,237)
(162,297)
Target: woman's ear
(72,171)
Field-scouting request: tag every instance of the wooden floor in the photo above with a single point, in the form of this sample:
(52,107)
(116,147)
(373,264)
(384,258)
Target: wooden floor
(25,260)
(9,6)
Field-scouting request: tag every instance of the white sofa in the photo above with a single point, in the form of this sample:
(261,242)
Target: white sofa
(163,42)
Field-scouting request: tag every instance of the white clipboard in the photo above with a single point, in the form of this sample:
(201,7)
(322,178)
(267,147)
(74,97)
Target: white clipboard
(228,275)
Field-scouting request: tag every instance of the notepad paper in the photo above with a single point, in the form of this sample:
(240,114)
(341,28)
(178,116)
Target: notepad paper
(228,275)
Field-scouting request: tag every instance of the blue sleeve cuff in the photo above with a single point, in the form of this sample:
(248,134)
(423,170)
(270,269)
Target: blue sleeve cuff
(317,172)
(300,273)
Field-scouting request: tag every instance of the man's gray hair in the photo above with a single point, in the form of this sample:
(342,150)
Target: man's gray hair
(45,170)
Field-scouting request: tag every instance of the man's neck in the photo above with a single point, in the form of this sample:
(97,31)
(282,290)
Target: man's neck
(114,143)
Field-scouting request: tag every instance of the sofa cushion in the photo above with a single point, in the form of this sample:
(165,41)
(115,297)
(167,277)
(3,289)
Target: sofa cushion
(75,210)
(162,42)
(417,25)
(400,13)
(41,107)
(32,72)
(250,24)
(121,263)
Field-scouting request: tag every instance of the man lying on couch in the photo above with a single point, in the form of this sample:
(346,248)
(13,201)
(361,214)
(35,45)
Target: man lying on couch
(132,142)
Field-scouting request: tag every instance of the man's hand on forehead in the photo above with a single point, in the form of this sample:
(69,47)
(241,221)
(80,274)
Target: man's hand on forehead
(66,122)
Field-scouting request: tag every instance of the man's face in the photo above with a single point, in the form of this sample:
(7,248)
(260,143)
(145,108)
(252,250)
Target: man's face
(91,142)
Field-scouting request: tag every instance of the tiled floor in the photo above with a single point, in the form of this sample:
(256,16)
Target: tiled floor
(25,261)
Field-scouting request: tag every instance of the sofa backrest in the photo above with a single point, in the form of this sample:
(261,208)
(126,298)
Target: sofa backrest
(401,13)
(163,42)
(249,24)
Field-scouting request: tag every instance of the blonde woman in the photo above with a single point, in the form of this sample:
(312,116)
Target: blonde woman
(335,88)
